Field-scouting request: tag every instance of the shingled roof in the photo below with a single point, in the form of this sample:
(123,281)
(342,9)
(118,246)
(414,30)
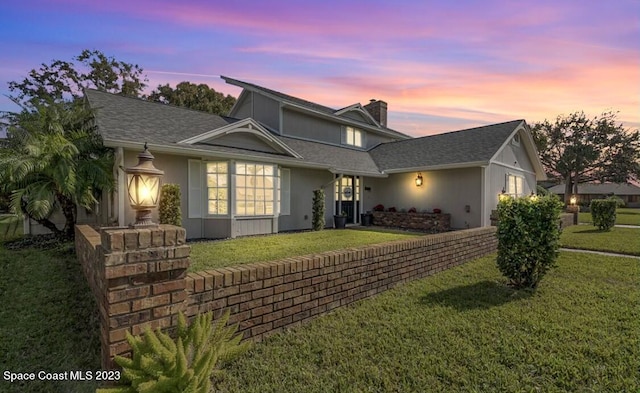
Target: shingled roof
(131,119)
(304,103)
(469,146)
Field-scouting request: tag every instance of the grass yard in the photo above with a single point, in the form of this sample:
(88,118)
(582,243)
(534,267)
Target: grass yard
(624,216)
(209,255)
(463,330)
(588,237)
(48,319)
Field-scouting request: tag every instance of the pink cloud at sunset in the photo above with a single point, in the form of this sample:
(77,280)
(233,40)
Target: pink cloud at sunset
(440,65)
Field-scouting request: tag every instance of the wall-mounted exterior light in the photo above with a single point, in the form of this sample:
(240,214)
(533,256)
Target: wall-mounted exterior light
(143,186)
(533,196)
(419,180)
(503,195)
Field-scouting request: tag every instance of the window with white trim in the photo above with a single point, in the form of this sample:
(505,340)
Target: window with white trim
(515,185)
(217,188)
(353,137)
(255,190)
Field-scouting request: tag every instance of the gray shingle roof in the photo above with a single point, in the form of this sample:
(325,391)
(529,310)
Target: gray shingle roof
(300,102)
(131,119)
(601,189)
(478,144)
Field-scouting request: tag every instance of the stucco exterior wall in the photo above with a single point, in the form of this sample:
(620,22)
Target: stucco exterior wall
(449,190)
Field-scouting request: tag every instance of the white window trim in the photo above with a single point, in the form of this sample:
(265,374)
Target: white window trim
(518,193)
(345,136)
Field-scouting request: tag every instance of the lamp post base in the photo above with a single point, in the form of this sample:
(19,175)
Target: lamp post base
(143,220)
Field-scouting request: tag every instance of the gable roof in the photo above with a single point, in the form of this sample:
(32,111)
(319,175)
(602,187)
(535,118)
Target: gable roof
(473,146)
(312,106)
(137,120)
(601,189)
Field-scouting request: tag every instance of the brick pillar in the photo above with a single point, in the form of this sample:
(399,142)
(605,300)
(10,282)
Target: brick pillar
(143,283)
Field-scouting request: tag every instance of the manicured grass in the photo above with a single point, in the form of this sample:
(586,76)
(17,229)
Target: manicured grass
(209,255)
(48,320)
(463,330)
(624,216)
(588,237)
(10,226)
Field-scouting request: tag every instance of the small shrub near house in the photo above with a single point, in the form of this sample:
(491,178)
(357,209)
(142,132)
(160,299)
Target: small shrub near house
(169,208)
(603,213)
(528,238)
(188,364)
(317,220)
(619,201)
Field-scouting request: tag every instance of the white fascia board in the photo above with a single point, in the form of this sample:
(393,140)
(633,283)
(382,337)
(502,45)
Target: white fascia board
(360,109)
(475,164)
(350,172)
(247,125)
(530,148)
(191,151)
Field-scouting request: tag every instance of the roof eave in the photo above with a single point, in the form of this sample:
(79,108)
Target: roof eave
(461,165)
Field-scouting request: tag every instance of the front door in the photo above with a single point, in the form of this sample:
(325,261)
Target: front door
(347,197)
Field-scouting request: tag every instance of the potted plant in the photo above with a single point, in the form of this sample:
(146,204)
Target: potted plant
(340,220)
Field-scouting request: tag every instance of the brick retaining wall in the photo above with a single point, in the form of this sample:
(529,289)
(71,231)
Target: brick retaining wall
(139,287)
(428,222)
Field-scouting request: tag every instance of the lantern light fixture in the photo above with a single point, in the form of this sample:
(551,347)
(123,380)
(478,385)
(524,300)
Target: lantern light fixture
(573,200)
(143,186)
(419,180)
(533,196)
(503,195)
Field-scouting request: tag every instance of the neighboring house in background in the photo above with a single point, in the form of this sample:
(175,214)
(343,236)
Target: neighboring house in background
(629,193)
(254,171)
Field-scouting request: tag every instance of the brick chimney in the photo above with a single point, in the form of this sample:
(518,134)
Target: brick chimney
(378,109)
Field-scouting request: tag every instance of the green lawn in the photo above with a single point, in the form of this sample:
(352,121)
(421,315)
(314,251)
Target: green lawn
(588,237)
(48,319)
(463,330)
(209,255)
(624,216)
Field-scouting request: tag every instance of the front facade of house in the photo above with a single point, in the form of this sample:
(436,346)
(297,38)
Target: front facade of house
(254,172)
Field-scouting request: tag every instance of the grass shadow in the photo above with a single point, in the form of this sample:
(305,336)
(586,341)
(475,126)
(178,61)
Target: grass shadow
(480,295)
(596,230)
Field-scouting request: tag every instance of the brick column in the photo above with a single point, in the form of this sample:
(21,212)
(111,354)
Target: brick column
(144,283)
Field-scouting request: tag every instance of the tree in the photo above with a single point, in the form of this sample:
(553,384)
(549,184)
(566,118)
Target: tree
(64,81)
(53,158)
(578,149)
(198,97)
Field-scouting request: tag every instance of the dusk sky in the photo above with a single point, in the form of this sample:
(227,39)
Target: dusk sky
(440,65)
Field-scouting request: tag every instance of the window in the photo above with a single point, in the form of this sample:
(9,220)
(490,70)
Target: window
(515,185)
(255,191)
(217,188)
(353,137)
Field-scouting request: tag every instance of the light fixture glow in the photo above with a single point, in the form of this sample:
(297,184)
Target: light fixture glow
(419,180)
(143,186)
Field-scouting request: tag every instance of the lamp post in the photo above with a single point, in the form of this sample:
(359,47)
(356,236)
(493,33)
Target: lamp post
(573,208)
(143,186)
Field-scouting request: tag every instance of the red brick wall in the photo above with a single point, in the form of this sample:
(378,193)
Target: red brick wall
(139,279)
(264,298)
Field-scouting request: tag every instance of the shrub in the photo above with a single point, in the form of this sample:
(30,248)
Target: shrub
(161,364)
(528,238)
(317,220)
(619,201)
(169,208)
(542,191)
(603,213)
(413,210)
(392,209)
(437,211)
(378,208)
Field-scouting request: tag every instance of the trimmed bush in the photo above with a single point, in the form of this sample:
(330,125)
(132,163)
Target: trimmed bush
(603,213)
(188,364)
(619,201)
(317,221)
(169,208)
(528,238)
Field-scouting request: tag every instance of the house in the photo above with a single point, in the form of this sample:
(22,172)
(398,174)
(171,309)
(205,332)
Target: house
(254,171)
(628,192)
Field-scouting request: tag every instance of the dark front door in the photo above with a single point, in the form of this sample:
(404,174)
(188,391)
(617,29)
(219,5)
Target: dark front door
(347,198)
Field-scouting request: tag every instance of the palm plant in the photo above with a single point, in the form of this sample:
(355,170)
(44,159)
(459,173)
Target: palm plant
(54,159)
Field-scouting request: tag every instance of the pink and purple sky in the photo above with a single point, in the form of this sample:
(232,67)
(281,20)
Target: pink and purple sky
(440,65)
